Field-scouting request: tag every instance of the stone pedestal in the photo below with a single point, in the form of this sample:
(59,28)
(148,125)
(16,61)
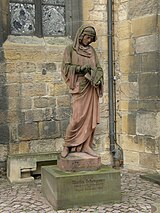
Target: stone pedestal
(79,161)
(74,189)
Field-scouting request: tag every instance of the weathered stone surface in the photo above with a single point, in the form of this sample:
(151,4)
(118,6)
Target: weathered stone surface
(13,90)
(31,89)
(124,30)
(147,105)
(64,101)
(124,63)
(40,146)
(150,62)
(143,26)
(27,77)
(4,134)
(73,189)
(123,11)
(3,152)
(63,126)
(96,15)
(3,116)
(145,7)
(49,129)
(132,77)
(132,124)
(2,79)
(3,103)
(129,90)
(124,47)
(58,89)
(34,115)
(144,121)
(123,105)
(10,67)
(28,131)
(23,147)
(131,159)
(23,67)
(43,102)
(63,113)
(146,44)
(49,67)
(44,76)
(75,162)
(131,143)
(149,85)
(13,148)
(148,160)
(150,145)
(25,103)
(13,78)
(136,63)
(159,21)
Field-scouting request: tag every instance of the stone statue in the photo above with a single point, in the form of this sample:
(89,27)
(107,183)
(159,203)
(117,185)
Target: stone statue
(84,76)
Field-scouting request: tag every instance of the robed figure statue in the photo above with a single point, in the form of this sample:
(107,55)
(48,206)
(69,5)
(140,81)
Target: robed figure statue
(84,76)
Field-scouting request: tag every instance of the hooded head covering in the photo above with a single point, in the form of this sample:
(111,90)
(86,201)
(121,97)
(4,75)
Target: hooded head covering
(84,30)
(89,31)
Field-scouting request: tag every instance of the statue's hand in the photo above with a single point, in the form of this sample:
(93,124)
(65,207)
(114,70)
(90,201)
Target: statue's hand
(86,68)
(98,83)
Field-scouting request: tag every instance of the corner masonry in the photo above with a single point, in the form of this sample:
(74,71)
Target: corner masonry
(21,166)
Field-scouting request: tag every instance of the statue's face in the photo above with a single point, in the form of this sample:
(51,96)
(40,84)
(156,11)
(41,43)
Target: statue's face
(87,39)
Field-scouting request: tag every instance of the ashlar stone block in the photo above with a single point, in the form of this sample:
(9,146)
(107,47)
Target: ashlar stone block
(147,44)
(146,124)
(144,25)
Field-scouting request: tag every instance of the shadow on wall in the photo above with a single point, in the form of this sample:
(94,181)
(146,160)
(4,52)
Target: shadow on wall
(4,128)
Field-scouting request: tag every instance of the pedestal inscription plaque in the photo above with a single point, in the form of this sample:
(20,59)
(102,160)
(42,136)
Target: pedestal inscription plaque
(74,189)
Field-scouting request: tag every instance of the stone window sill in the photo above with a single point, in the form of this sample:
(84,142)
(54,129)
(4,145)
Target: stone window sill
(33,40)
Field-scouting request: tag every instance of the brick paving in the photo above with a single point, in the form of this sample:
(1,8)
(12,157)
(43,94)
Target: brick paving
(138,196)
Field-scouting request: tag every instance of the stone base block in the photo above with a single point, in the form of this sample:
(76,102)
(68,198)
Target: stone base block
(79,161)
(76,189)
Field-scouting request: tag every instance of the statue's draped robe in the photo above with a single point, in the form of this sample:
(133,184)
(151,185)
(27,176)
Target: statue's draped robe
(85,95)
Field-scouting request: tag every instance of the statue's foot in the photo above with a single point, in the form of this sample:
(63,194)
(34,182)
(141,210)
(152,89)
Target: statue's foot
(89,151)
(73,149)
(79,148)
(65,152)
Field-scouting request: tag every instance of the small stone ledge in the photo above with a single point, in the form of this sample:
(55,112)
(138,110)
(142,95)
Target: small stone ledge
(20,166)
(33,40)
(154,178)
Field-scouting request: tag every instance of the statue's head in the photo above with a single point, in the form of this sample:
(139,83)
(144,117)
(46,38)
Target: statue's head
(85,35)
(89,32)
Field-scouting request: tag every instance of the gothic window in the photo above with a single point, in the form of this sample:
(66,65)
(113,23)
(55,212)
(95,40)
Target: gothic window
(44,17)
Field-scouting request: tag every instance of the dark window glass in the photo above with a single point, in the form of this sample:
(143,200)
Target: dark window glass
(32,17)
(53,21)
(22,18)
(44,17)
